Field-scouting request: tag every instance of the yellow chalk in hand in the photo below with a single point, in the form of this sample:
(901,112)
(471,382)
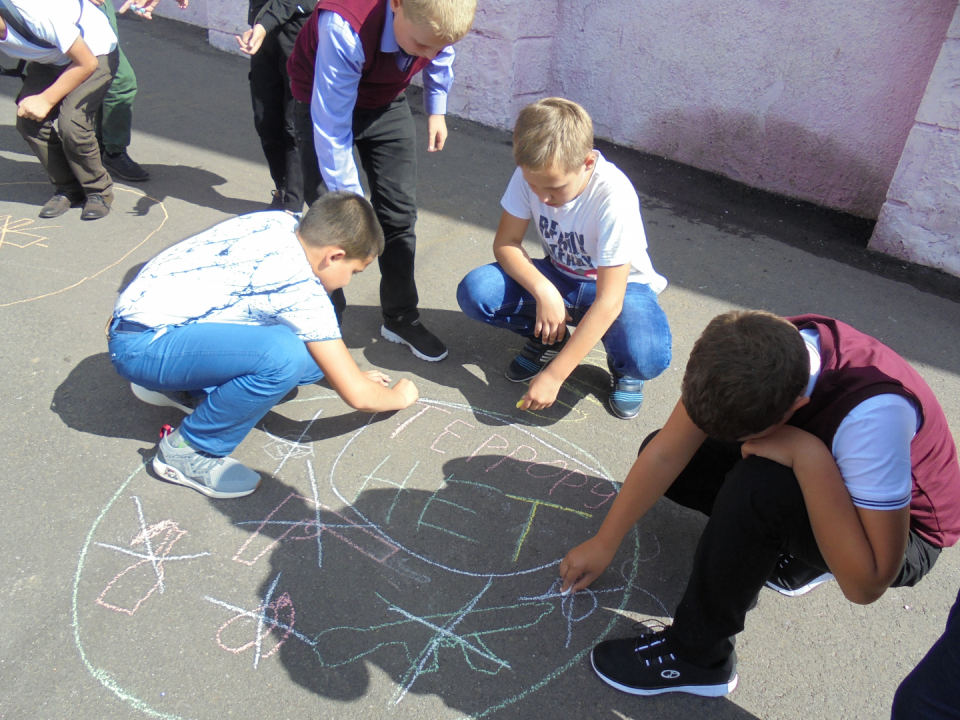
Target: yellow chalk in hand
(519,403)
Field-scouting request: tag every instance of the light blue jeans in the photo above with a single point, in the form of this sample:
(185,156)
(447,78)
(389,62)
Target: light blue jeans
(638,342)
(244,369)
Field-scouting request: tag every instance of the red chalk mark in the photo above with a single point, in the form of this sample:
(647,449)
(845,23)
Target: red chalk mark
(563,481)
(561,465)
(486,443)
(171,534)
(283,616)
(512,453)
(606,496)
(448,431)
(360,538)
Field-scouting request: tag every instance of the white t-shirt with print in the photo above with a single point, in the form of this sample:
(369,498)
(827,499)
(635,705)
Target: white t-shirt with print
(872,444)
(601,227)
(250,270)
(60,23)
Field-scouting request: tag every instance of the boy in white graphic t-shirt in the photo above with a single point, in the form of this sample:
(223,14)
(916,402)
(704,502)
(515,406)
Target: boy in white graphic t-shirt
(597,274)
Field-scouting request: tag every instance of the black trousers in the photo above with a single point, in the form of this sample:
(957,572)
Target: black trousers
(275,120)
(756,512)
(386,141)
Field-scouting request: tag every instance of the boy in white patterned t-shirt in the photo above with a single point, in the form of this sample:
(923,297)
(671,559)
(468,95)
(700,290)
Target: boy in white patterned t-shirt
(596,274)
(224,324)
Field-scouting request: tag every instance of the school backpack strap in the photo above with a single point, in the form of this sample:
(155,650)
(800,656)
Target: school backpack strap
(12,17)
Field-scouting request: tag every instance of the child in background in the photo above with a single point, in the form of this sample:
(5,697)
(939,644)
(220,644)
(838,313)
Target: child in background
(274,25)
(816,451)
(352,62)
(72,58)
(223,325)
(597,274)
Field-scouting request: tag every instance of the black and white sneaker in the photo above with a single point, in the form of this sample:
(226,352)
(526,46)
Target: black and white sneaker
(792,577)
(533,358)
(647,665)
(422,343)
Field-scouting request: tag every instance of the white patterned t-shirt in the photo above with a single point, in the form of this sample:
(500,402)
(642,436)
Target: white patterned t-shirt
(601,227)
(250,270)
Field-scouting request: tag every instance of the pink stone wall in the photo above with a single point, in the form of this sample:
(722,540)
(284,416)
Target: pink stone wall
(920,220)
(809,99)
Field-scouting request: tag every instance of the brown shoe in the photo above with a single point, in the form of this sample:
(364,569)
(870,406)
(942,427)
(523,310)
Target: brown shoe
(58,205)
(96,207)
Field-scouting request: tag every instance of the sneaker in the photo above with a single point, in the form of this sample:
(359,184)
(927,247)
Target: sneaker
(533,358)
(422,343)
(96,207)
(123,166)
(647,665)
(59,204)
(216,477)
(179,399)
(627,394)
(276,201)
(793,578)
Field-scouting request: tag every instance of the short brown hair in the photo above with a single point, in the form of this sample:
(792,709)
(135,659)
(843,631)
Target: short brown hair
(744,373)
(552,133)
(346,220)
(450,20)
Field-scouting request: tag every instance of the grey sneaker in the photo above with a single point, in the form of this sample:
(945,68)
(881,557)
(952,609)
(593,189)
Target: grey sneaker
(179,399)
(216,477)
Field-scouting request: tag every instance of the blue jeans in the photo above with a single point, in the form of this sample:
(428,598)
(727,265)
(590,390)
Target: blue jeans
(245,369)
(932,690)
(638,342)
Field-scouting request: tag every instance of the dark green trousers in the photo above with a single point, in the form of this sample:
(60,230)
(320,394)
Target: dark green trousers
(117,118)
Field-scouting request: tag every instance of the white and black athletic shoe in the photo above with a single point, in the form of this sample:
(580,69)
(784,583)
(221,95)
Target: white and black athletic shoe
(533,358)
(792,577)
(648,665)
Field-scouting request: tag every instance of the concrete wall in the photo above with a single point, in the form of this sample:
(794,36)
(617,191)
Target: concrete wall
(920,220)
(812,99)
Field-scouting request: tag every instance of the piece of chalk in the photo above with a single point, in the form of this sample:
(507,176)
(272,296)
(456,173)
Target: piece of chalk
(566,592)
(519,403)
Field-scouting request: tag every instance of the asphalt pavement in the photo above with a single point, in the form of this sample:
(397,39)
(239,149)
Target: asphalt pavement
(400,565)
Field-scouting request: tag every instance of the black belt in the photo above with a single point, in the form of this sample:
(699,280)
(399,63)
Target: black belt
(125,326)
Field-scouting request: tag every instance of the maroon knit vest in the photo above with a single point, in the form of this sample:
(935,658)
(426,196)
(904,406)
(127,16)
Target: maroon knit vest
(381,80)
(854,367)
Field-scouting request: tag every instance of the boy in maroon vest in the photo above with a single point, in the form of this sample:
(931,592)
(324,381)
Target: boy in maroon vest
(349,69)
(816,451)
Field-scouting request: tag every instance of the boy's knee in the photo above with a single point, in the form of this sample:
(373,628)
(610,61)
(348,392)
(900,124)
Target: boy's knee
(474,291)
(761,486)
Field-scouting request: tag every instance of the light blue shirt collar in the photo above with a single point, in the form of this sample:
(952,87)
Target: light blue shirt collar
(388,41)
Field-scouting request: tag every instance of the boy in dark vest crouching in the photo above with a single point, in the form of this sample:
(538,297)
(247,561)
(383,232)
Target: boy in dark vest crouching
(817,452)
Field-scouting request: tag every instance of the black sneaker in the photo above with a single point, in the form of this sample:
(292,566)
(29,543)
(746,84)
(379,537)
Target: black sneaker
(533,358)
(123,166)
(647,665)
(792,577)
(276,201)
(626,395)
(422,343)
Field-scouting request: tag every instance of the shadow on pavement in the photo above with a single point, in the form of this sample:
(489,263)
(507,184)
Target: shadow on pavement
(420,585)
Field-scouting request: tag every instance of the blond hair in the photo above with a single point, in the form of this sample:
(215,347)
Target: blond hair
(552,133)
(346,220)
(450,20)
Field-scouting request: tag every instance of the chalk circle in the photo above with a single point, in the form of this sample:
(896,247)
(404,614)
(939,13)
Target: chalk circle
(490,500)
(51,257)
(442,466)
